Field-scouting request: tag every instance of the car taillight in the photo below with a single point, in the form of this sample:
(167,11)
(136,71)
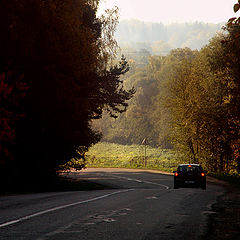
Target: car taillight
(202,174)
(176,174)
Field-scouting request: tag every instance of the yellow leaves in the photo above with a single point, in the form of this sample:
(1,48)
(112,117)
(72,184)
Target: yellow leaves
(227,99)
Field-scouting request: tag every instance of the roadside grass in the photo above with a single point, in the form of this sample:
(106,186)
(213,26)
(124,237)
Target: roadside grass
(103,155)
(233,179)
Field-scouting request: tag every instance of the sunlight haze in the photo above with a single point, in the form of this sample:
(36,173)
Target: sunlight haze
(212,11)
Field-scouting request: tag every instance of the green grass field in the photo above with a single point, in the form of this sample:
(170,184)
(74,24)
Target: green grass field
(131,156)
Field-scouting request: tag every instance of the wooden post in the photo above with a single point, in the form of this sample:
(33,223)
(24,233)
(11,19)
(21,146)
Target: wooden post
(145,151)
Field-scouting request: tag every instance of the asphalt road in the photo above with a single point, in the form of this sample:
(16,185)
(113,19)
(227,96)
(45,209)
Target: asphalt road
(138,205)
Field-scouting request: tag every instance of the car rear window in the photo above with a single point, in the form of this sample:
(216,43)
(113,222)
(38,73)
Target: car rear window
(188,168)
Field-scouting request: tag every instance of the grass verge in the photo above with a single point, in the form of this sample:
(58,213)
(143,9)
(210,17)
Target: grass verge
(103,155)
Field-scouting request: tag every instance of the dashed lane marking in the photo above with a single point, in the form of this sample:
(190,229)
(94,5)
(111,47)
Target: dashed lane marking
(142,181)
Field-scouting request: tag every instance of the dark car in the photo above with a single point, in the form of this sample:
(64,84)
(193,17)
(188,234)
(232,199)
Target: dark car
(190,175)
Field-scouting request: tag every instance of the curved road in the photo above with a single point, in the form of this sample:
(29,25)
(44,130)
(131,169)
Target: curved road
(139,204)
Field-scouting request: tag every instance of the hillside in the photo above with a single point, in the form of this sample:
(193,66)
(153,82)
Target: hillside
(159,39)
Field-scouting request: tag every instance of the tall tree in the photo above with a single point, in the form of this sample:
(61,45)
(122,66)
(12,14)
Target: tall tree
(63,50)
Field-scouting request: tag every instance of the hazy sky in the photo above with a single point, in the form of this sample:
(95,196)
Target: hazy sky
(213,11)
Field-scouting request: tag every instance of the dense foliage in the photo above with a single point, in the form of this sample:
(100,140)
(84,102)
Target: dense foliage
(188,100)
(57,54)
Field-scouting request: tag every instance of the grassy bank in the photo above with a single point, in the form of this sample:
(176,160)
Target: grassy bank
(131,156)
(233,179)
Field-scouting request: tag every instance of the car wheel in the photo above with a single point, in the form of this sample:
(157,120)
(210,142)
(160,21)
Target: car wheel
(204,186)
(175,185)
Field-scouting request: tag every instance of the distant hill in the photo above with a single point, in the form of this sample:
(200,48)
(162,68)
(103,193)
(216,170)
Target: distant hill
(159,39)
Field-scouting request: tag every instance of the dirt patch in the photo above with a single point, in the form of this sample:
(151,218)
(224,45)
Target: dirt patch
(224,223)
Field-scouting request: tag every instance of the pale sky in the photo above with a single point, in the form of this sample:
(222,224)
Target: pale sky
(167,11)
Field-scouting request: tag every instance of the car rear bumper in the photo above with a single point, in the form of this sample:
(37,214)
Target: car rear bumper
(190,182)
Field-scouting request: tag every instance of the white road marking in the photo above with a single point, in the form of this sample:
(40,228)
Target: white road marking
(152,198)
(158,184)
(142,181)
(60,207)
(131,179)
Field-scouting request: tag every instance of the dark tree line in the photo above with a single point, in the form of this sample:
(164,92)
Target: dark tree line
(54,64)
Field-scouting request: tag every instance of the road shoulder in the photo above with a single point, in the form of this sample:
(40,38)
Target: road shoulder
(224,222)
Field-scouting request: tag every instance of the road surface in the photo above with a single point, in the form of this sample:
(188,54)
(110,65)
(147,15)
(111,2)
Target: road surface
(138,205)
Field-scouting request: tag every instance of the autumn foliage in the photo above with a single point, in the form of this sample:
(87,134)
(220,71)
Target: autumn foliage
(188,100)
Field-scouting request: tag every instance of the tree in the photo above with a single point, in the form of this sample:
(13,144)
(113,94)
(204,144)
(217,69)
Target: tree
(200,97)
(230,65)
(63,50)
(12,93)
(175,99)
(190,100)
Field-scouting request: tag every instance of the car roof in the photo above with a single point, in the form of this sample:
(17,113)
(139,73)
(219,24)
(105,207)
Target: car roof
(197,165)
